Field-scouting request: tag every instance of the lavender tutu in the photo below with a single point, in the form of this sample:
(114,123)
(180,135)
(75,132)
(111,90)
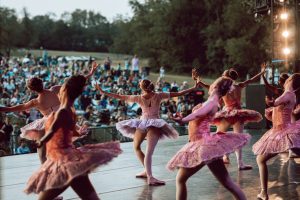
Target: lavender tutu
(278,140)
(128,127)
(34,130)
(237,115)
(66,164)
(208,148)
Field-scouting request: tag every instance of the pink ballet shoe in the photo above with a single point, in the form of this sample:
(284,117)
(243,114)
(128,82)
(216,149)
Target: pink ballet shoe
(141,175)
(245,167)
(155,182)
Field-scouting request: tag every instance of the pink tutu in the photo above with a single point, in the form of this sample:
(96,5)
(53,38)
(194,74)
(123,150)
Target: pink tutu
(208,148)
(128,127)
(278,140)
(237,115)
(66,164)
(34,130)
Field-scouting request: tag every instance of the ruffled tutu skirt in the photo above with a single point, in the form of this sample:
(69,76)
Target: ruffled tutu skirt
(34,130)
(128,127)
(207,149)
(237,115)
(278,140)
(64,165)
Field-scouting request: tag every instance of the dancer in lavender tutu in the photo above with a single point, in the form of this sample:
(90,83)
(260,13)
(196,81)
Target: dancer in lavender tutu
(149,125)
(285,135)
(46,102)
(205,148)
(66,165)
(232,114)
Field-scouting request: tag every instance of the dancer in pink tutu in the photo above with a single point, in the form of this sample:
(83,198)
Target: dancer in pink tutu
(46,102)
(283,136)
(233,115)
(204,147)
(66,165)
(148,125)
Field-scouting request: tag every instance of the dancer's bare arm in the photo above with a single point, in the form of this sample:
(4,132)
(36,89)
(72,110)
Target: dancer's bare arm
(204,110)
(116,96)
(26,106)
(270,87)
(93,69)
(183,92)
(254,78)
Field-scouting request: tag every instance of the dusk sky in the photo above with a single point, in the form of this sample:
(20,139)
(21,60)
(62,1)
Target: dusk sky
(108,8)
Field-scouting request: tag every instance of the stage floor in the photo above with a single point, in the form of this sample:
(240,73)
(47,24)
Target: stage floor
(117,181)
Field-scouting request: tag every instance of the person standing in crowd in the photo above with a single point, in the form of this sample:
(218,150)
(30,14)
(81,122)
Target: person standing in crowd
(23,148)
(135,68)
(107,64)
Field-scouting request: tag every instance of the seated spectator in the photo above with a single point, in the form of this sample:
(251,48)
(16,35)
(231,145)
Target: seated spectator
(23,148)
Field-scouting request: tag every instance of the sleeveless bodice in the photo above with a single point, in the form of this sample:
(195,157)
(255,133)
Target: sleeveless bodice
(233,98)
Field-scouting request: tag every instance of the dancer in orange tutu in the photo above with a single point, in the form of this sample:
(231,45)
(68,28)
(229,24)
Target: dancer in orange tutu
(283,136)
(66,165)
(204,147)
(232,114)
(46,102)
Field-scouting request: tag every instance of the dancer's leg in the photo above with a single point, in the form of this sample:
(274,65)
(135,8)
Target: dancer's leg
(138,139)
(87,192)
(152,139)
(223,127)
(239,128)
(263,173)
(51,194)
(42,153)
(220,172)
(182,176)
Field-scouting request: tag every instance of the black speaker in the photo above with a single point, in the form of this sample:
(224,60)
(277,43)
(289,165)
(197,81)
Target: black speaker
(255,100)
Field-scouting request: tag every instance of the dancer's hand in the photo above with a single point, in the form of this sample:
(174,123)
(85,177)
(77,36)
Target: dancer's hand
(195,74)
(263,67)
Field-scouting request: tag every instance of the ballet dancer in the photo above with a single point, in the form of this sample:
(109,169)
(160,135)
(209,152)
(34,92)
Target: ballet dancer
(66,165)
(204,147)
(283,136)
(46,102)
(232,114)
(149,125)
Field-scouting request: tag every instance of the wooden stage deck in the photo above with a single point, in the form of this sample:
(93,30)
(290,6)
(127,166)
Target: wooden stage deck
(117,181)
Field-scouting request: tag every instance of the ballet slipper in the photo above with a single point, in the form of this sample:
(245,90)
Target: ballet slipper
(141,175)
(58,198)
(226,160)
(263,195)
(245,167)
(155,182)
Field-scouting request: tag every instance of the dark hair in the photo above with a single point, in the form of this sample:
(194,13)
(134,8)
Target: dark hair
(147,85)
(35,84)
(231,73)
(74,86)
(284,76)
(223,85)
(296,85)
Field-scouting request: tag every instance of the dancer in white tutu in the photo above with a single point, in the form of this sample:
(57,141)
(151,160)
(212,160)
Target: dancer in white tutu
(46,102)
(148,125)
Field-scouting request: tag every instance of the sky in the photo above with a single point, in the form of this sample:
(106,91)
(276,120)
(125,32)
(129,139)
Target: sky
(107,8)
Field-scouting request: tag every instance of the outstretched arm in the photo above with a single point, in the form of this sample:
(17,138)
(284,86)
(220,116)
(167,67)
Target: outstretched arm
(93,69)
(183,92)
(254,78)
(116,96)
(272,88)
(204,110)
(30,104)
